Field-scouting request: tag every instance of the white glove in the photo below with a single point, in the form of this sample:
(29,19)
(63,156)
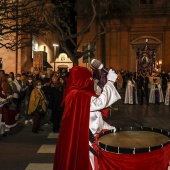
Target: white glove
(112,76)
(114,129)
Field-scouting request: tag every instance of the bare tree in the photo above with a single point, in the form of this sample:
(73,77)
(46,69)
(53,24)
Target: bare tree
(21,19)
(92,12)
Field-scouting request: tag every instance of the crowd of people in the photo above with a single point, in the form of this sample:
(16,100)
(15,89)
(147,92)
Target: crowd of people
(31,92)
(33,89)
(75,103)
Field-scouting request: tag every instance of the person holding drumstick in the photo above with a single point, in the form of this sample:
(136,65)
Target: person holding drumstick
(82,112)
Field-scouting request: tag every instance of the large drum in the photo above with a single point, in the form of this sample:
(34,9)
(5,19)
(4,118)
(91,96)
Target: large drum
(134,148)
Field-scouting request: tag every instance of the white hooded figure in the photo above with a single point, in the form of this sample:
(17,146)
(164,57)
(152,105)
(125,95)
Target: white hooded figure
(167,95)
(107,97)
(131,92)
(156,94)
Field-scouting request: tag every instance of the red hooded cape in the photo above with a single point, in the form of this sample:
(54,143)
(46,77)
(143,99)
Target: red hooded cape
(72,150)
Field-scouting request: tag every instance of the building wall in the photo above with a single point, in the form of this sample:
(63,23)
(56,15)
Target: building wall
(166,51)
(120,43)
(9,60)
(25,56)
(45,43)
(126,36)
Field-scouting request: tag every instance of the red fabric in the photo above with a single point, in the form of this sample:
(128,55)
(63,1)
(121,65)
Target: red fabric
(80,78)
(1,94)
(105,112)
(155,160)
(10,117)
(96,148)
(72,150)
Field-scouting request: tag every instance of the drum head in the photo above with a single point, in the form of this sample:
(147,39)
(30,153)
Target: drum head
(134,140)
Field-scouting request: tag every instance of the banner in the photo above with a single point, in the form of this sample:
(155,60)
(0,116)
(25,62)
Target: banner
(38,60)
(145,61)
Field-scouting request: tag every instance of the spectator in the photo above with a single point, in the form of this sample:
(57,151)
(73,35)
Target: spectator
(37,98)
(144,89)
(28,90)
(164,81)
(57,108)
(48,90)
(17,85)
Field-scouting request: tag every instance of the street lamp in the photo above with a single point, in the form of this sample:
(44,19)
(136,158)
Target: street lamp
(55,48)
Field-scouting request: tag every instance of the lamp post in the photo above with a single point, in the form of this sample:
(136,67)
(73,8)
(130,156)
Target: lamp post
(55,48)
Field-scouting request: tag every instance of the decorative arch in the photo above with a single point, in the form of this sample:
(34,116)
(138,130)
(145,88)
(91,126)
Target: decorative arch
(140,42)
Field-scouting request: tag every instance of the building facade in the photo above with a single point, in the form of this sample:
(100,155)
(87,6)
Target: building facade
(118,47)
(127,35)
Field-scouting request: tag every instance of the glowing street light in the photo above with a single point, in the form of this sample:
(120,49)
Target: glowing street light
(55,47)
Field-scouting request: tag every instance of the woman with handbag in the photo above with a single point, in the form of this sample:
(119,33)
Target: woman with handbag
(37,106)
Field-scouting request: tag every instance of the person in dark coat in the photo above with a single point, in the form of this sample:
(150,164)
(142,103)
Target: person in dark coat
(29,88)
(48,90)
(164,81)
(57,108)
(144,89)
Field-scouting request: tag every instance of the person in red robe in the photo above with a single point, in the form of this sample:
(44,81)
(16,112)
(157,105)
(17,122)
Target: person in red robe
(72,149)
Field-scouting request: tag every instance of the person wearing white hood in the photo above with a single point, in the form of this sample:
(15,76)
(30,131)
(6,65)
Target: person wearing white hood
(167,96)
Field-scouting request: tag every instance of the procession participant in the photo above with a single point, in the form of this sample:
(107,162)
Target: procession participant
(5,94)
(131,91)
(167,96)
(2,75)
(82,112)
(156,94)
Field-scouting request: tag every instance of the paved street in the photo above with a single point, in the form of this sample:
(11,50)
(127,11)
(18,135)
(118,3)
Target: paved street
(23,150)
(157,116)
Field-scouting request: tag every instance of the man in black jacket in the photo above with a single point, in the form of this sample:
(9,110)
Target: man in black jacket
(144,89)
(57,108)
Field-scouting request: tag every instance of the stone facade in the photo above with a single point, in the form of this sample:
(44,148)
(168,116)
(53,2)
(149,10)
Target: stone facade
(150,21)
